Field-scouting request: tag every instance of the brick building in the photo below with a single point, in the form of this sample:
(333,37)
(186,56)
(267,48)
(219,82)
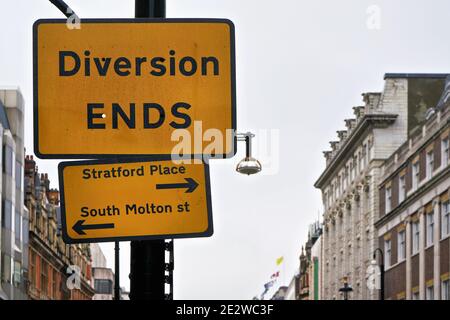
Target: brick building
(414,226)
(51,261)
(351,179)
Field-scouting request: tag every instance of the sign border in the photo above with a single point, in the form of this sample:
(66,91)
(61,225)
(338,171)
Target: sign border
(36,24)
(67,239)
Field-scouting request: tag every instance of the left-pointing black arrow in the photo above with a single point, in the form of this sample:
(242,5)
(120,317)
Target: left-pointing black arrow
(79,226)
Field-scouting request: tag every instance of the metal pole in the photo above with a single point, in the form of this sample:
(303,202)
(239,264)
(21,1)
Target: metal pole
(172,266)
(381,270)
(116,271)
(248,147)
(64,8)
(150,9)
(147,269)
(382,281)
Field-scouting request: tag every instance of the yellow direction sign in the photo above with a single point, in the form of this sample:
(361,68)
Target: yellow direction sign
(122,200)
(134,87)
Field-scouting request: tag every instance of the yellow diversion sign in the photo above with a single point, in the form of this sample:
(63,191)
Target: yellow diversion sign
(104,200)
(134,87)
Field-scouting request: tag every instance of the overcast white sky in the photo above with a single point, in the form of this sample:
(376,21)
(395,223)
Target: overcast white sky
(301,66)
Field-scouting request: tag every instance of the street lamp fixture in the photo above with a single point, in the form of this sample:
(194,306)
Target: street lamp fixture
(248,165)
(381,270)
(346,289)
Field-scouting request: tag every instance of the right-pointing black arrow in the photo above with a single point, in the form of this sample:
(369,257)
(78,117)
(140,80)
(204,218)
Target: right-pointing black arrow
(79,226)
(190,186)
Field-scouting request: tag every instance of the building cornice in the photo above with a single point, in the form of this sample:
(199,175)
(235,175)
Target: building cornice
(378,120)
(415,75)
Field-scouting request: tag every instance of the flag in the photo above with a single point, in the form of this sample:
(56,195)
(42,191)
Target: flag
(275,275)
(280,260)
(268,285)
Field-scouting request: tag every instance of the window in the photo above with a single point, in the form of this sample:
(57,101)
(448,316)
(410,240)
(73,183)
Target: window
(354,164)
(103,286)
(7,214)
(337,188)
(415,175)
(401,239)
(430,164)
(6,268)
(401,189)
(330,199)
(17,273)
(430,293)
(7,160)
(365,154)
(415,296)
(44,277)
(416,236)
(388,201)
(18,175)
(32,272)
(347,175)
(54,284)
(25,230)
(445,219)
(445,290)
(387,252)
(430,228)
(18,228)
(361,161)
(445,151)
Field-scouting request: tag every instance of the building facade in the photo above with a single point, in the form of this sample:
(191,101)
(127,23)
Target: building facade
(280,294)
(349,183)
(14,219)
(103,276)
(291,292)
(57,271)
(314,269)
(414,226)
(308,278)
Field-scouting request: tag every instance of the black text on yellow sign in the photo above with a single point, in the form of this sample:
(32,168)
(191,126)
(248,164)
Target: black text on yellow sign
(108,200)
(124,86)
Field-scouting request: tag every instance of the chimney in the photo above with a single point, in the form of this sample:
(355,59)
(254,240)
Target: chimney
(359,112)
(371,99)
(45,182)
(53,196)
(350,124)
(30,164)
(334,145)
(342,134)
(327,155)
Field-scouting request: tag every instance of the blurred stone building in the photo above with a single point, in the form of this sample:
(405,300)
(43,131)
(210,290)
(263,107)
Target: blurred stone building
(103,276)
(14,219)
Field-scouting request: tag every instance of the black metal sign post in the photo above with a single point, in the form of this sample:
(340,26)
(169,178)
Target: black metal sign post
(147,269)
(116,271)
